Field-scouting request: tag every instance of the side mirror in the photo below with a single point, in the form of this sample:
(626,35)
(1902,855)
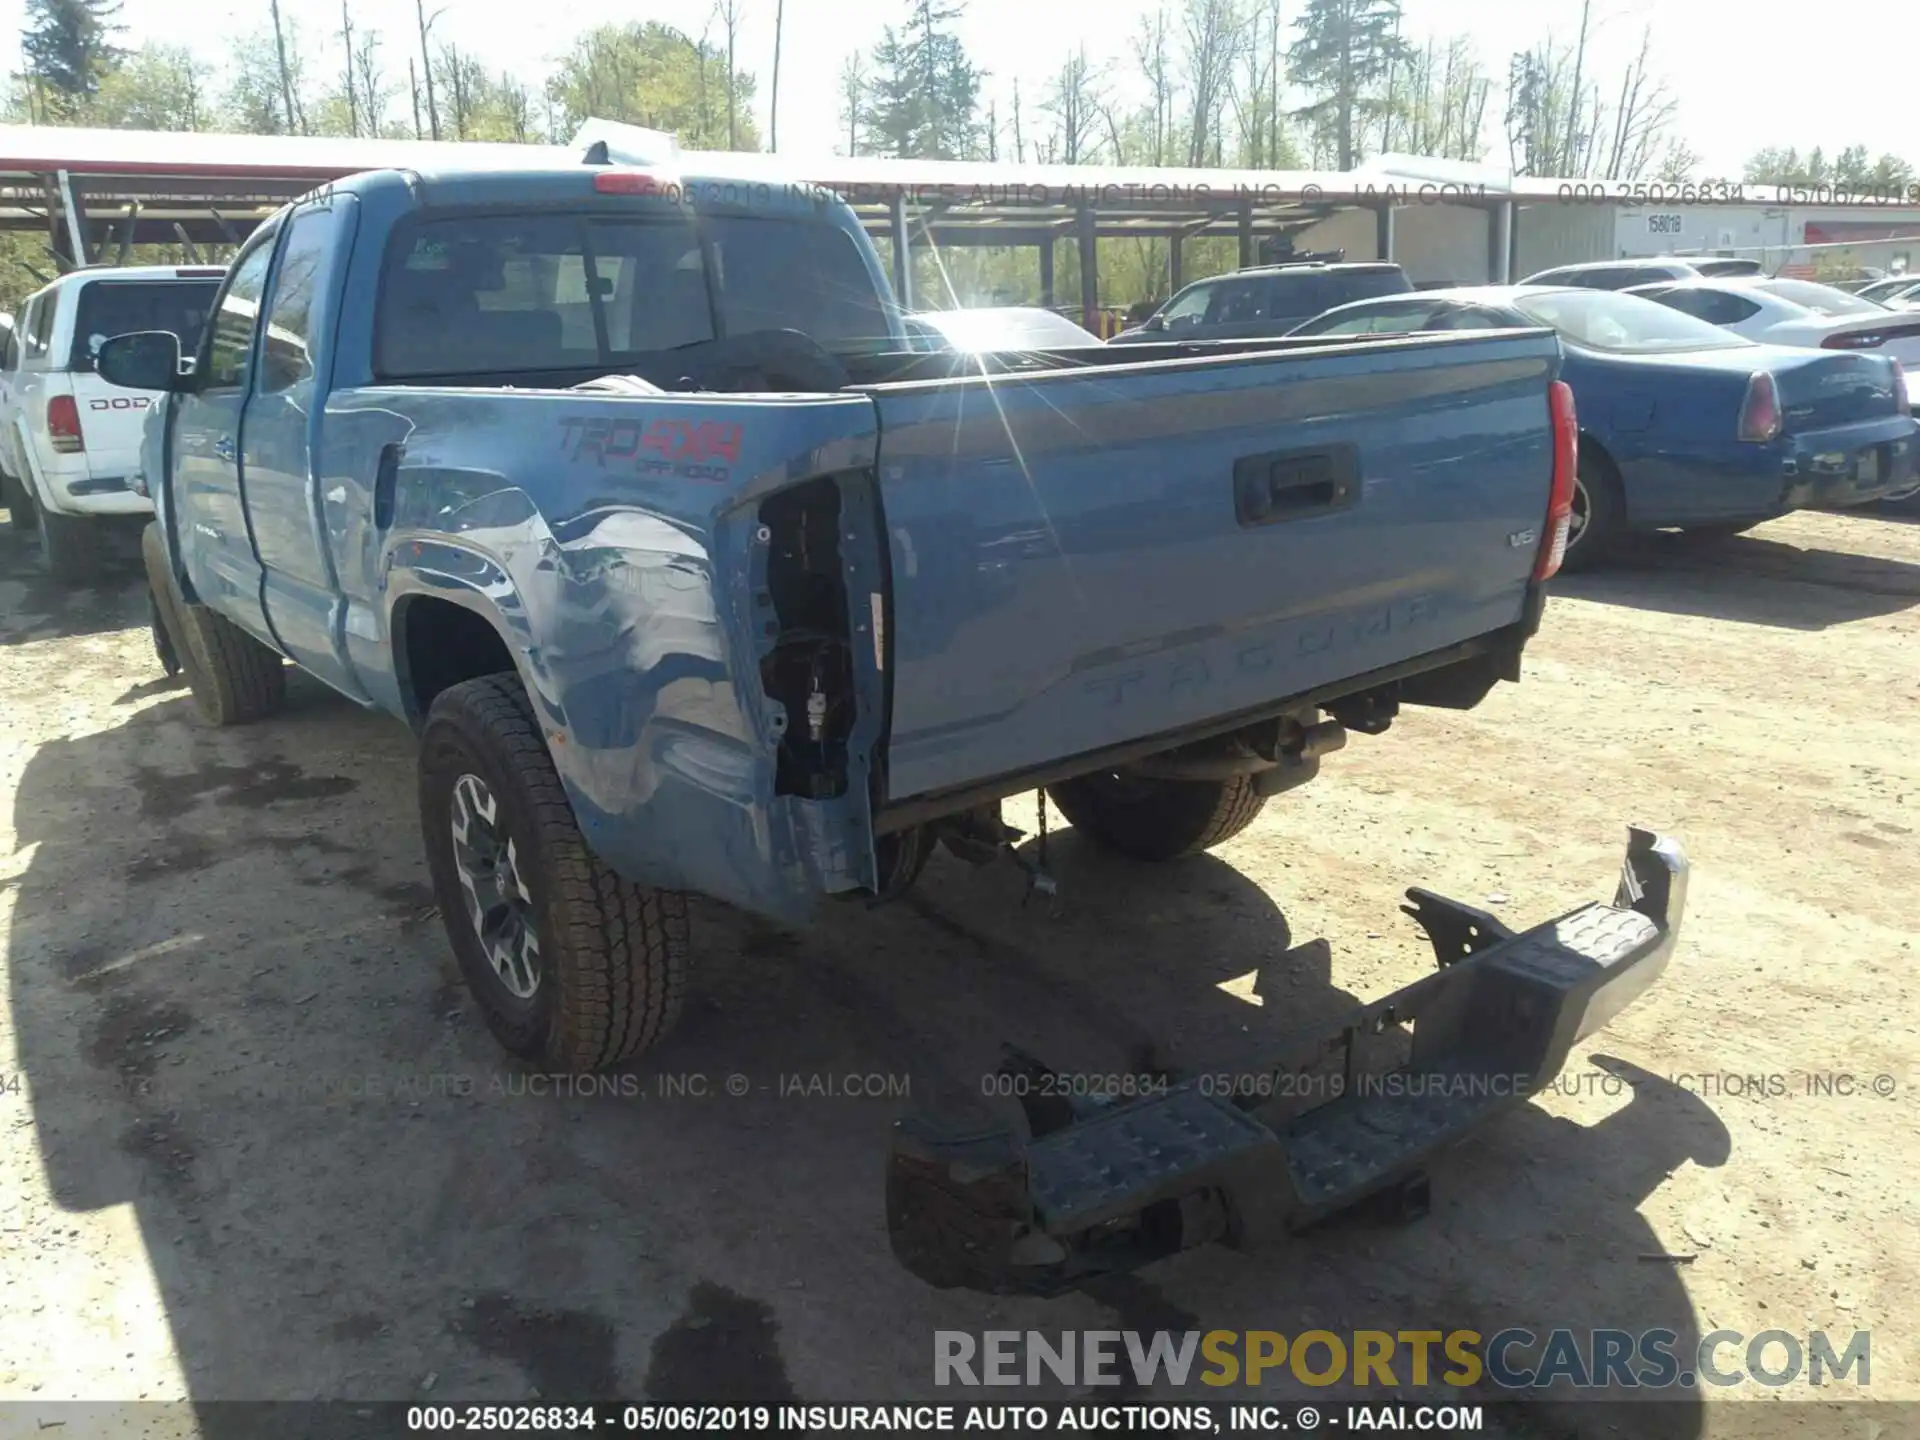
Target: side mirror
(144,360)
(1156,322)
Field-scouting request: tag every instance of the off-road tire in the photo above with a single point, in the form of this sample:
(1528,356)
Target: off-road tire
(613,955)
(234,678)
(163,647)
(69,545)
(1157,819)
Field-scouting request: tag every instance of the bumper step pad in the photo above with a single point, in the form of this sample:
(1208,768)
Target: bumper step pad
(1119,1185)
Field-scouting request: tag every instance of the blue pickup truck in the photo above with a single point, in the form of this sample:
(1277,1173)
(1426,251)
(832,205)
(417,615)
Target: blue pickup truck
(627,490)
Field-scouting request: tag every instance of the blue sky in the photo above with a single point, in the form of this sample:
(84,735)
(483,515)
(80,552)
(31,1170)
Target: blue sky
(1741,81)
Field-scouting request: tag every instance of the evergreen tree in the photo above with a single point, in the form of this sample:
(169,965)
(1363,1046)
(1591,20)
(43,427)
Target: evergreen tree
(1344,50)
(925,92)
(68,47)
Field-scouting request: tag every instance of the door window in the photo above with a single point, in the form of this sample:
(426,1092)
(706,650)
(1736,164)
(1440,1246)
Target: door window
(1190,307)
(1238,302)
(230,337)
(288,358)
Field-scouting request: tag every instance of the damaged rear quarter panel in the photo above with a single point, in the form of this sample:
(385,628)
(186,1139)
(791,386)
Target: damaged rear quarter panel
(614,544)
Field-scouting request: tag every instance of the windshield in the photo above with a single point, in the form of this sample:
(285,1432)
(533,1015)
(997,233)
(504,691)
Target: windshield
(981,330)
(1624,324)
(472,296)
(119,307)
(1821,299)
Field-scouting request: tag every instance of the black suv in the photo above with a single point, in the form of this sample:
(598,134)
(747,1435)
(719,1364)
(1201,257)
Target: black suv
(1267,300)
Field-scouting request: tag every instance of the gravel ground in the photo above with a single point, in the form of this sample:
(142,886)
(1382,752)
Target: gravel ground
(257,1144)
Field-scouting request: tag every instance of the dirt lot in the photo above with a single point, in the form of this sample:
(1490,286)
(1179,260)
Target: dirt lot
(238,1163)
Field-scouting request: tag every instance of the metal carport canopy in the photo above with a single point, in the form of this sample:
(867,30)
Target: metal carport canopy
(97,187)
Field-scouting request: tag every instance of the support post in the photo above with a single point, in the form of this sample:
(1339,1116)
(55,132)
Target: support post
(1383,227)
(902,253)
(1501,226)
(76,222)
(1089,269)
(1046,272)
(1246,236)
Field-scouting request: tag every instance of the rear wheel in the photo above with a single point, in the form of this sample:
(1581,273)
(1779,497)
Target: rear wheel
(18,505)
(573,967)
(69,546)
(1599,513)
(1158,819)
(234,678)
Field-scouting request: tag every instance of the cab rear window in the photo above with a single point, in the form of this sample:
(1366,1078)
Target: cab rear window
(116,307)
(505,293)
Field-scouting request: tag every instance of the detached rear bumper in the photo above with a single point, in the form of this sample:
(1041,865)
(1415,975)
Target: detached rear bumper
(1097,1188)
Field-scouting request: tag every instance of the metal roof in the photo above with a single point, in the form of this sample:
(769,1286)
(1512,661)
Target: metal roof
(213,185)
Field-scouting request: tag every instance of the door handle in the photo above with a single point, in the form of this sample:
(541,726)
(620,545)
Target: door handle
(1294,484)
(223,447)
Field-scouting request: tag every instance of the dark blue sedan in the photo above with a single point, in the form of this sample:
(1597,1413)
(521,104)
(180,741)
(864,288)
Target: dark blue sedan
(1683,425)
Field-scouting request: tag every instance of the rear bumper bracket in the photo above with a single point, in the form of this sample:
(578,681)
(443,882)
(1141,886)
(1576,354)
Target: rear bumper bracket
(1103,1188)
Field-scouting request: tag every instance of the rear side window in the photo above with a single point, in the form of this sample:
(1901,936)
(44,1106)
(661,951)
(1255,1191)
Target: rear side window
(117,307)
(39,328)
(555,292)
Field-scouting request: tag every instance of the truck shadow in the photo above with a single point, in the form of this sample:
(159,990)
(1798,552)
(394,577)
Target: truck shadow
(237,1015)
(1749,579)
(33,607)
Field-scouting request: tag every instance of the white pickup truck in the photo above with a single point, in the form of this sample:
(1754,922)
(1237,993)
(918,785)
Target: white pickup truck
(69,441)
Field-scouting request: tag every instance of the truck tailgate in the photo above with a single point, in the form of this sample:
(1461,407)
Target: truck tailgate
(1094,557)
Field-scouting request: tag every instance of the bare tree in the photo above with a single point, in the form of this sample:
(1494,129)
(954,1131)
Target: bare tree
(730,12)
(1153,51)
(426,63)
(1552,129)
(346,49)
(853,98)
(296,114)
(1574,91)
(413,88)
(773,108)
(1254,89)
(1211,33)
(1019,131)
(1073,100)
(374,91)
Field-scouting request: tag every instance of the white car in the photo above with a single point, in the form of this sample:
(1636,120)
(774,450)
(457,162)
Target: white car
(69,441)
(1794,312)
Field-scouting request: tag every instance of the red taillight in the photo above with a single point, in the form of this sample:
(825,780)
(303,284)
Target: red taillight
(628,182)
(1760,415)
(1566,464)
(63,425)
(1854,340)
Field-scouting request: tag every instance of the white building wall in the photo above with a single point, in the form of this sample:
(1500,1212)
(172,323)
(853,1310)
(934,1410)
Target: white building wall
(1551,234)
(1444,243)
(1350,230)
